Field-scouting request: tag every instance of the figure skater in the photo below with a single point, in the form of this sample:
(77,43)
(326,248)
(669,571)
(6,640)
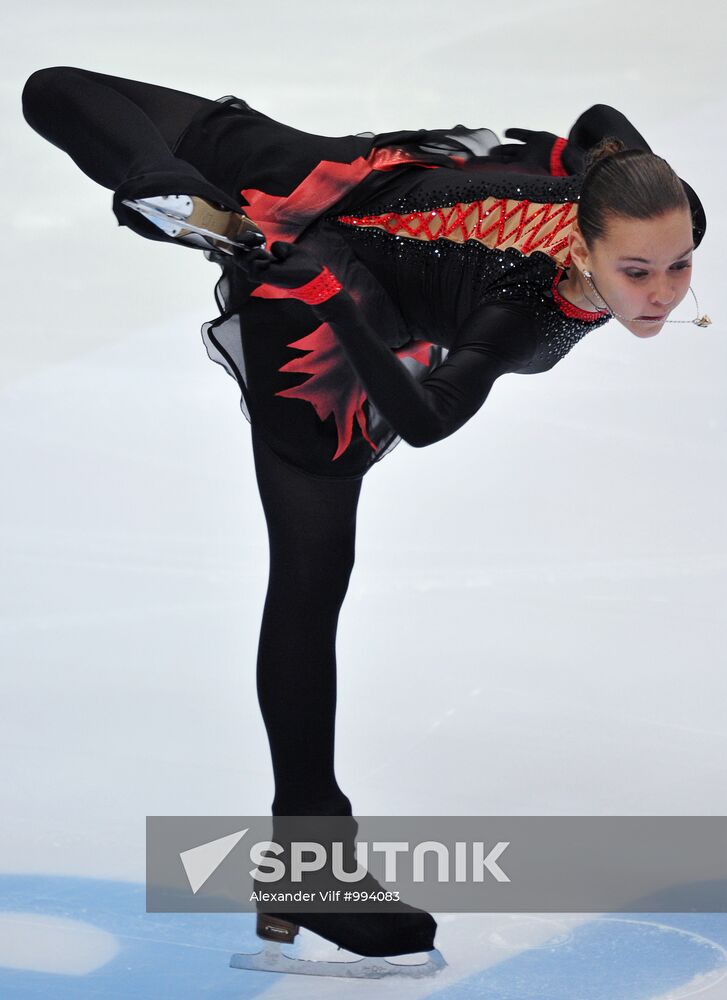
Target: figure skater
(373,287)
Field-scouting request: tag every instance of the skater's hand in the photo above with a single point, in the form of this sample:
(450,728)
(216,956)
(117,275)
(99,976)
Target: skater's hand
(536,149)
(286,266)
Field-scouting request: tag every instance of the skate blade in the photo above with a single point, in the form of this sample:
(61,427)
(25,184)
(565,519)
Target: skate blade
(273,959)
(225,230)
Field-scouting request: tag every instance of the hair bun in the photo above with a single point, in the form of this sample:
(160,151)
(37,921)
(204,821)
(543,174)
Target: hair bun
(606,147)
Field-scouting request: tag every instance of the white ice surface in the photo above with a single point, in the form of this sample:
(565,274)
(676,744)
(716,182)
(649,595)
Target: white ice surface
(535,623)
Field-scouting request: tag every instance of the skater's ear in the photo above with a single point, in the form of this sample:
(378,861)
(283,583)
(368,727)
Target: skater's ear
(579,252)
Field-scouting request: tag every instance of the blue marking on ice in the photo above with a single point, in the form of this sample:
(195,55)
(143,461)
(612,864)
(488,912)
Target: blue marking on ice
(161,954)
(639,956)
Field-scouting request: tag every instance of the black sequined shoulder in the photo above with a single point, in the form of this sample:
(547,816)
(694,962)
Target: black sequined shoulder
(448,241)
(418,190)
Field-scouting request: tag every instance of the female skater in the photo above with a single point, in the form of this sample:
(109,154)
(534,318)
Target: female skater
(406,272)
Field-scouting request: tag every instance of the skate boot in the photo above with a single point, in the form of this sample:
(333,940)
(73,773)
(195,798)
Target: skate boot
(397,929)
(197,222)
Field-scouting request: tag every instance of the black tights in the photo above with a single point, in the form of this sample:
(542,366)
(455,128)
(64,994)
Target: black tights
(111,128)
(312,531)
(115,130)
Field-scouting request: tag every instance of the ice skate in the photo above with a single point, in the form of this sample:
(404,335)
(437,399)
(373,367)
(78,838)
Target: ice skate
(196,222)
(276,931)
(396,929)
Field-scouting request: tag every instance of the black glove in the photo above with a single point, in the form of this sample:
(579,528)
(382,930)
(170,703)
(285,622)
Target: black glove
(286,266)
(534,149)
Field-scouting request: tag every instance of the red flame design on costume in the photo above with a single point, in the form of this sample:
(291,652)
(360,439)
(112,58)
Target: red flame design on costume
(283,217)
(333,386)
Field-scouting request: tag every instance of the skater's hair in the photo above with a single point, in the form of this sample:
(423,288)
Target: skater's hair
(631,183)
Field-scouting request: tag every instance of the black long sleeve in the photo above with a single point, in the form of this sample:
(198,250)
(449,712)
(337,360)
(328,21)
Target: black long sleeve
(494,339)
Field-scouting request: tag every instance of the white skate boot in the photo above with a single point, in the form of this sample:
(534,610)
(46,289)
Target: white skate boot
(196,222)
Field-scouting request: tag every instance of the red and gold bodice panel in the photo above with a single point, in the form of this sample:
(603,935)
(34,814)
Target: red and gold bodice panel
(497,223)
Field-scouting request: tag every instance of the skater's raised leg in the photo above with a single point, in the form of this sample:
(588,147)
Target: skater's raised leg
(122,134)
(112,128)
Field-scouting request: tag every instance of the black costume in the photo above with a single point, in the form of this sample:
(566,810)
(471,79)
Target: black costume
(451,262)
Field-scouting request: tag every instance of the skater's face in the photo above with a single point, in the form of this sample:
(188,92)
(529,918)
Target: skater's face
(640,267)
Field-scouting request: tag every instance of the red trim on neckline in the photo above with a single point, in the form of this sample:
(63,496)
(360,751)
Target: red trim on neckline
(573,312)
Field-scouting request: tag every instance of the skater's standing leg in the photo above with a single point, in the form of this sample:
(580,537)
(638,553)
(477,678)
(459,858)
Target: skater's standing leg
(311,528)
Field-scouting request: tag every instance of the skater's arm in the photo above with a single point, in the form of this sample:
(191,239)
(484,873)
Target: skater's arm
(495,339)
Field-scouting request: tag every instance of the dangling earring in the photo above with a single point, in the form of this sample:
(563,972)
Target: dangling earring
(587,275)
